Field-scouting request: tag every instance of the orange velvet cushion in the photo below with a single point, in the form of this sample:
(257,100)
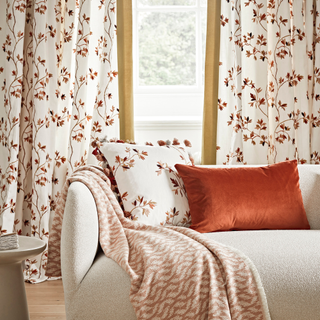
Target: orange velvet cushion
(246,198)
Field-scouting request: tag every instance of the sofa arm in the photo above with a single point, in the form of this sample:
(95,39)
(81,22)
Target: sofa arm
(79,238)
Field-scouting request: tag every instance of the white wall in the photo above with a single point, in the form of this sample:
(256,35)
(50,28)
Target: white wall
(152,129)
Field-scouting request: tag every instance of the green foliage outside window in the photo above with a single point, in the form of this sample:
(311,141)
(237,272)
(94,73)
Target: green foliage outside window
(167,47)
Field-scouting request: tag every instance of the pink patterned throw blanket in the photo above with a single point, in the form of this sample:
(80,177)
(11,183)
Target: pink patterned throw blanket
(175,272)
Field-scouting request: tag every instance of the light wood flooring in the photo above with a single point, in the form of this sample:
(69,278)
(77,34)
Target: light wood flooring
(46,300)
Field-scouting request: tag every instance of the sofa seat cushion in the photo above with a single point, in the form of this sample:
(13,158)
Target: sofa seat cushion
(288,262)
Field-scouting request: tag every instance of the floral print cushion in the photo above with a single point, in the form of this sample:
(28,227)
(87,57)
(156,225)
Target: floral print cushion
(106,169)
(150,189)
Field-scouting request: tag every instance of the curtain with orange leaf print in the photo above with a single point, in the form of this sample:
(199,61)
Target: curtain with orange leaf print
(269,82)
(58,96)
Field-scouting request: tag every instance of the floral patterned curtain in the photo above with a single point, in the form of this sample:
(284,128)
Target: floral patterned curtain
(269,96)
(58,92)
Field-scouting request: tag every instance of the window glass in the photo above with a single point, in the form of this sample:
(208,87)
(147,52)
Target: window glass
(168,63)
(167,48)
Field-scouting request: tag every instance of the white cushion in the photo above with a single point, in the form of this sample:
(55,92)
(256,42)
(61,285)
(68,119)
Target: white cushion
(151,189)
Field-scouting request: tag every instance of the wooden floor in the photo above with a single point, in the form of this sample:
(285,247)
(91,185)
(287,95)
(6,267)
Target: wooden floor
(46,300)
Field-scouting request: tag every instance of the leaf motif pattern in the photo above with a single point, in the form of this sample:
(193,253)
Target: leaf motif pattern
(174,217)
(57,82)
(173,220)
(144,181)
(269,97)
(128,161)
(176,181)
(140,204)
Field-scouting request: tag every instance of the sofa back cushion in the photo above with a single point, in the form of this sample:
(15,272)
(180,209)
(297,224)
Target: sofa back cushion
(246,198)
(310,190)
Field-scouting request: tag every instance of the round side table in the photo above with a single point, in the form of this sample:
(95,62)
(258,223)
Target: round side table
(13,300)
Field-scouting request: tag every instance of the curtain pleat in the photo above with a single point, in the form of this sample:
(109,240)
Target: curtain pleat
(211,84)
(125,79)
(269,82)
(59,97)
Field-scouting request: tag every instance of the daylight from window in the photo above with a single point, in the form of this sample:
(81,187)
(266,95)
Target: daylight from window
(169,51)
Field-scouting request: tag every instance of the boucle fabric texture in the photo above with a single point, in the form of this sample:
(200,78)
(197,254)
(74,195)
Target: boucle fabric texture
(288,263)
(175,273)
(310,186)
(287,260)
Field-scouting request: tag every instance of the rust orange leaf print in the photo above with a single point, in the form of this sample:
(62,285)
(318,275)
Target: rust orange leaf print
(58,101)
(269,93)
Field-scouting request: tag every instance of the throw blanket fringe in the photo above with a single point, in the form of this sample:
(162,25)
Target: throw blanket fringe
(176,273)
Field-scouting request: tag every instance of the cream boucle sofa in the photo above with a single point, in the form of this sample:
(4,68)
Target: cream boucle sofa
(288,261)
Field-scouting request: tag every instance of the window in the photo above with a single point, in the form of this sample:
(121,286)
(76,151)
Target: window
(169,47)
